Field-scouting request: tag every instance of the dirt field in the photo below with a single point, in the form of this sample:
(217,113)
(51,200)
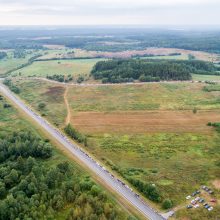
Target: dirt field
(144,121)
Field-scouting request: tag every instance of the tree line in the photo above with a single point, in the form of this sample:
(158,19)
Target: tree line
(60,77)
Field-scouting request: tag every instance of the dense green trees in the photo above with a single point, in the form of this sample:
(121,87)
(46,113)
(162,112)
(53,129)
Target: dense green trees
(117,71)
(35,186)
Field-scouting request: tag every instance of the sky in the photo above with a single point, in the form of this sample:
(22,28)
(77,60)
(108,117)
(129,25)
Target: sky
(109,12)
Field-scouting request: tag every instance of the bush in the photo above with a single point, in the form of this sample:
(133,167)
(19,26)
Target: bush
(194,110)
(73,133)
(41,105)
(167,204)
(80,79)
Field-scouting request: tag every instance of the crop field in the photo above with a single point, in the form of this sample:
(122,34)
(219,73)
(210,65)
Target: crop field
(64,67)
(144,132)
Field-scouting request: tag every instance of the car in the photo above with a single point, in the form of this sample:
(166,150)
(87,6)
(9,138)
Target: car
(188,197)
(194,193)
(213,200)
(193,202)
(197,199)
(210,208)
(202,200)
(189,206)
(207,206)
(198,192)
(196,206)
(210,192)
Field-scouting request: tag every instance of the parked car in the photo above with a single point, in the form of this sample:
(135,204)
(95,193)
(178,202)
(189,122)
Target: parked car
(193,202)
(196,206)
(213,200)
(202,200)
(194,194)
(188,197)
(210,192)
(207,206)
(210,208)
(189,206)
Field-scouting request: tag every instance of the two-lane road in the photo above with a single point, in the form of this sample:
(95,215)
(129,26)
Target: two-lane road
(117,185)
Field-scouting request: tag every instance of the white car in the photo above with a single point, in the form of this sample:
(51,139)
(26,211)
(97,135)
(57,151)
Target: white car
(196,206)
(188,197)
(210,208)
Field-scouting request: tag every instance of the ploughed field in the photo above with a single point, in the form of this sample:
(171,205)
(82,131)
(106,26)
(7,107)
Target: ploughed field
(154,133)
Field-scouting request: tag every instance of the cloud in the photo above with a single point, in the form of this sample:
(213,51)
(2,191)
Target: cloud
(109,11)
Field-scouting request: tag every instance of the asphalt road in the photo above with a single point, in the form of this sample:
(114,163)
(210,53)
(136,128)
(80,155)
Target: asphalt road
(117,185)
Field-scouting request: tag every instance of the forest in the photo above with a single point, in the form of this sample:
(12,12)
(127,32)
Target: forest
(126,39)
(117,71)
(34,186)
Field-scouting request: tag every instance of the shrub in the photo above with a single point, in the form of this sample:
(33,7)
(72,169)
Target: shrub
(167,204)
(41,105)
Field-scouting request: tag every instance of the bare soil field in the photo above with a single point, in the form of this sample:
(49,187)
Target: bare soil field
(144,121)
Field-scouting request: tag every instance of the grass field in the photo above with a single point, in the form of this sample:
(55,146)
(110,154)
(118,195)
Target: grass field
(12,120)
(197,77)
(36,92)
(152,96)
(64,67)
(10,62)
(145,132)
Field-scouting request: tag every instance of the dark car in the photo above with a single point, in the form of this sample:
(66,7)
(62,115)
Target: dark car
(189,206)
(194,194)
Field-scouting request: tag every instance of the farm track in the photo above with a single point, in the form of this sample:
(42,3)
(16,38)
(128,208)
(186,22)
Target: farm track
(112,84)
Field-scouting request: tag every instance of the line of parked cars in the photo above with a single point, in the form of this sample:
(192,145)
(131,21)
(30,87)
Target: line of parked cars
(198,201)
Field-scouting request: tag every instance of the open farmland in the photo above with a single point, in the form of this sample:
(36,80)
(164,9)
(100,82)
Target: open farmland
(64,67)
(144,132)
(10,63)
